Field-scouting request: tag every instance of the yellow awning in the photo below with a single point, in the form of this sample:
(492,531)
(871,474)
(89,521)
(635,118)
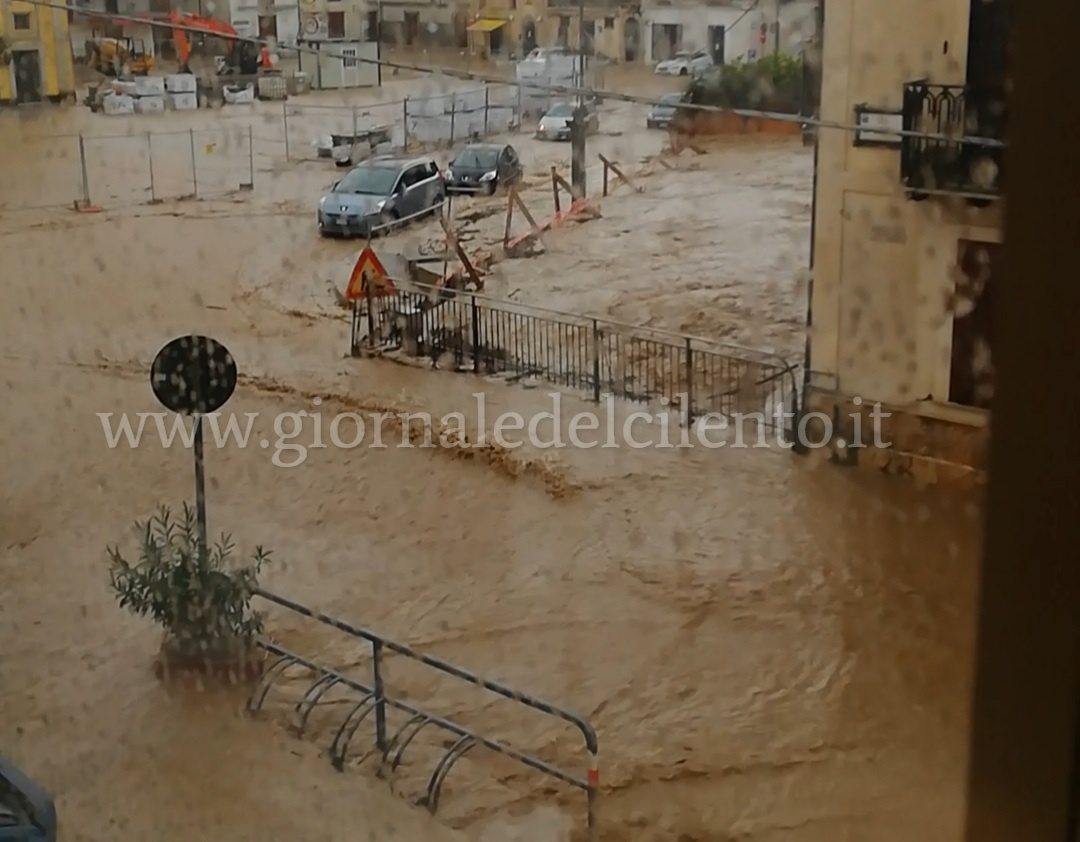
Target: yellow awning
(486,25)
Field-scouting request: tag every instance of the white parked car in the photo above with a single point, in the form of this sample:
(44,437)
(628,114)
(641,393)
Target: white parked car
(685,64)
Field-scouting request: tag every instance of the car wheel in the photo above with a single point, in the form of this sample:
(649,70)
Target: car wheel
(387,222)
(489,188)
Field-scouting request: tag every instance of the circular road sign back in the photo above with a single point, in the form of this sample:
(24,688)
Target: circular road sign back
(193,374)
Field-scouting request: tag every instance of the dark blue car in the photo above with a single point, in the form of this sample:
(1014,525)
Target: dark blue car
(27,813)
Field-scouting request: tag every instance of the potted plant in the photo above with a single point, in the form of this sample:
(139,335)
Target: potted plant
(195,593)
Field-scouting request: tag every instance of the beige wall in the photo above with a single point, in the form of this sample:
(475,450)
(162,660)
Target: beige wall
(610,41)
(884,265)
(48,36)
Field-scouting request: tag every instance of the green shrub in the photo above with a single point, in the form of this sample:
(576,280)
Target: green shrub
(775,83)
(188,589)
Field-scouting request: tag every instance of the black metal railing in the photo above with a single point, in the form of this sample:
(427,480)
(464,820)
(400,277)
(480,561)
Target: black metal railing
(961,150)
(597,357)
(391,743)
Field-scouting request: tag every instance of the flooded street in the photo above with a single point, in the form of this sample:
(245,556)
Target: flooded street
(770,647)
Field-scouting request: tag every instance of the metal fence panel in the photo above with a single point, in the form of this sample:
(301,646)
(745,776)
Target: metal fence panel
(50,164)
(171,158)
(222,161)
(594,356)
(304,126)
(118,169)
(460,115)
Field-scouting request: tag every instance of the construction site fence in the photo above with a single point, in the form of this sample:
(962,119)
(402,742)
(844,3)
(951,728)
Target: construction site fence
(593,356)
(117,170)
(416,122)
(134,167)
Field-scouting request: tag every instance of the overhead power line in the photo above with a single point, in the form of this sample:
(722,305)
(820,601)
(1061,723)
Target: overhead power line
(564,90)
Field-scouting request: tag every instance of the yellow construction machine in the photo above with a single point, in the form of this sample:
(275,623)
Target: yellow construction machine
(119,56)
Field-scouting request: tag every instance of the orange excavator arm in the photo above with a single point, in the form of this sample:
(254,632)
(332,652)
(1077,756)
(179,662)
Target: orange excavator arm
(211,26)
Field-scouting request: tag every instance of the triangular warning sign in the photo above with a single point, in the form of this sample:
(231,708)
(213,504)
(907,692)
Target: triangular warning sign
(368,273)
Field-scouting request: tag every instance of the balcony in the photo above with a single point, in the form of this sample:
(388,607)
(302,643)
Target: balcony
(949,164)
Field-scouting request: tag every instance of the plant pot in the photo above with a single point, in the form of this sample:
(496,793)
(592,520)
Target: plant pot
(229,659)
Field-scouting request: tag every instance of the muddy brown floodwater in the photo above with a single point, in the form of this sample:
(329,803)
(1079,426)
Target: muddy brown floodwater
(770,647)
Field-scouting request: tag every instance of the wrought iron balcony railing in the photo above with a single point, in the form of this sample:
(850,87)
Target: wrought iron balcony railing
(966,155)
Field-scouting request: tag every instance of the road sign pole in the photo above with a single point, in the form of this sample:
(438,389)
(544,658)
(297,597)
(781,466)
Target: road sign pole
(200,484)
(194,375)
(370,316)
(354,327)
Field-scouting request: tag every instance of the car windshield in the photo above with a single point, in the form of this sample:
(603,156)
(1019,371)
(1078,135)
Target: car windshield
(670,100)
(376,180)
(682,55)
(540,53)
(561,111)
(476,157)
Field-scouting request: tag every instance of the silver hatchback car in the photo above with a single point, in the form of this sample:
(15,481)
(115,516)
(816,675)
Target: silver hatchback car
(380,192)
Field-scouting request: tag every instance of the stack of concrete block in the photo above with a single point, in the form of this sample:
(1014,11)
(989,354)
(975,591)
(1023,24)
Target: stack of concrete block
(183,91)
(149,94)
(115,104)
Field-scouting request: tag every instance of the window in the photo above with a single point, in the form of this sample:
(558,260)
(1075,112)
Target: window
(971,373)
(21,21)
(336,24)
(349,57)
(111,7)
(609,23)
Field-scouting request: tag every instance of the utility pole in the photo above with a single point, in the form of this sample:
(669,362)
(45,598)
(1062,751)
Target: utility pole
(378,41)
(577,126)
(776,30)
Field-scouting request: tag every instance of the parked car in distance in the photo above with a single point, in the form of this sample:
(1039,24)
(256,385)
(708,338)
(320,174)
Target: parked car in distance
(661,114)
(542,54)
(555,124)
(482,168)
(379,192)
(685,63)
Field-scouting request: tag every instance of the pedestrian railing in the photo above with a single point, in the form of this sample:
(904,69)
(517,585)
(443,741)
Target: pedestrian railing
(372,697)
(594,356)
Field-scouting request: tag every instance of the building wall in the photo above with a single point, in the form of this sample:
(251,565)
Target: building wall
(884,266)
(742,36)
(47,36)
(609,24)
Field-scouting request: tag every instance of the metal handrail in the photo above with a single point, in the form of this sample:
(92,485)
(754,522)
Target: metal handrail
(446,724)
(375,698)
(578,721)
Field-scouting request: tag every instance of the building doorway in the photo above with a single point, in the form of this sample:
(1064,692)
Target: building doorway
(587,43)
(528,37)
(495,41)
(27,67)
(716,44)
(563,38)
(971,375)
(268,26)
(665,40)
(631,39)
(412,28)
